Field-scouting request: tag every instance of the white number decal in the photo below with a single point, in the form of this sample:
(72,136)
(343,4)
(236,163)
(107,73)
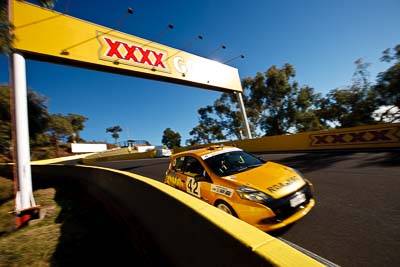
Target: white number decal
(192,186)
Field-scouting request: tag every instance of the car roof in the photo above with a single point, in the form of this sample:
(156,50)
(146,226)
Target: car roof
(207,150)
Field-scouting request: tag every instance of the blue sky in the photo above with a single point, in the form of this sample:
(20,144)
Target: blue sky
(320,38)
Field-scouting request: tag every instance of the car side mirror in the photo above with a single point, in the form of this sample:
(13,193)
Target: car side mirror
(206,176)
(174,168)
(260,158)
(202,177)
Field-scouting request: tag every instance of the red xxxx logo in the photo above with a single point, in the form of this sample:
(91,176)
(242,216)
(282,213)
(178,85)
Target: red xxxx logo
(130,53)
(361,137)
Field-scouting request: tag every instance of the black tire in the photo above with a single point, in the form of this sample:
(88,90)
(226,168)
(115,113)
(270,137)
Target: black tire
(222,205)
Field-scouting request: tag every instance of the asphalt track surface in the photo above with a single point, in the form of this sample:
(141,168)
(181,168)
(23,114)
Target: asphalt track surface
(356,220)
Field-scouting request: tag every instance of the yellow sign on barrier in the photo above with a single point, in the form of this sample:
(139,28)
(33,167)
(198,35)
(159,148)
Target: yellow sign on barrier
(373,136)
(46,35)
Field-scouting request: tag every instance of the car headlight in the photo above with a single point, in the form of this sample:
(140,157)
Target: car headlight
(252,194)
(303,177)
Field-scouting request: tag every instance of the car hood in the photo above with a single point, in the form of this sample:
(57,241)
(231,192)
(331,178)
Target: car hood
(272,178)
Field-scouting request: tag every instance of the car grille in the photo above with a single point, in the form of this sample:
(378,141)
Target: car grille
(281,207)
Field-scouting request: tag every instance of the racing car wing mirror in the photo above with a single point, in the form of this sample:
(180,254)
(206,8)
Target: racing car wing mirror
(260,158)
(203,177)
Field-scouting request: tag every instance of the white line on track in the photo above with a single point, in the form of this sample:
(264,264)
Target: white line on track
(311,254)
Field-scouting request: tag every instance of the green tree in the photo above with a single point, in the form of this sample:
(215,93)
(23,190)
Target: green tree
(387,88)
(274,105)
(353,105)
(59,128)
(307,112)
(277,96)
(5,120)
(6,35)
(171,139)
(77,122)
(6,27)
(114,130)
(38,116)
(209,128)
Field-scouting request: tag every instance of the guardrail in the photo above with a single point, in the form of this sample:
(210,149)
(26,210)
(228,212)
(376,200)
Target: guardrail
(188,231)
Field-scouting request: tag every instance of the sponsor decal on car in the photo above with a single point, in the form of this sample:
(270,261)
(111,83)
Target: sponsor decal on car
(174,181)
(222,190)
(286,183)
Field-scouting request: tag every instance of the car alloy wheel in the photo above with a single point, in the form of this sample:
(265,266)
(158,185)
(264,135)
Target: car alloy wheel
(225,207)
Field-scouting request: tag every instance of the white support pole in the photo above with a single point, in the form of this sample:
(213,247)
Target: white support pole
(244,116)
(24,197)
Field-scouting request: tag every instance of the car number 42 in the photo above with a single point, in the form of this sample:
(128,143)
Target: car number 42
(192,186)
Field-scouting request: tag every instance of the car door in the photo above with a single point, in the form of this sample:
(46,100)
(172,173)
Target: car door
(197,182)
(174,175)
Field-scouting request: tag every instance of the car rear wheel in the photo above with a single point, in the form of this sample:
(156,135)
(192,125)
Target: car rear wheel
(225,207)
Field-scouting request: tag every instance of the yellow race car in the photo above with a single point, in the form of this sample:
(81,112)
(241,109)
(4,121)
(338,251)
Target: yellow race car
(266,195)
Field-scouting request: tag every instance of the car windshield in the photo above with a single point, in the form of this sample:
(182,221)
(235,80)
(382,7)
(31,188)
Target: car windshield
(232,162)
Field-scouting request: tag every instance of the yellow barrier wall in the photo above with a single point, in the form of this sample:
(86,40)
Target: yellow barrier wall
(189,232)
(362,137)
(106,156)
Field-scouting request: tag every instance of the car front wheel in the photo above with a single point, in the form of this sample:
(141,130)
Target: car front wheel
(225,207)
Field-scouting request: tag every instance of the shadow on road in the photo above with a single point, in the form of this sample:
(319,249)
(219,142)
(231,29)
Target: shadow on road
(383,159)
(280,232)
(313,161)
(140,166)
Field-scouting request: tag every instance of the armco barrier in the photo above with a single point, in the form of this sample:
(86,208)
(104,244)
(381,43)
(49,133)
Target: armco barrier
(362,137)
(187,231)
